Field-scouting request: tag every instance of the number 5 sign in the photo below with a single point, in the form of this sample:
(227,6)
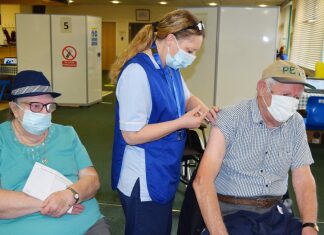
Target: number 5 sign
(66,25)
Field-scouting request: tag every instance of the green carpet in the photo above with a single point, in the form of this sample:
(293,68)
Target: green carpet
(318,156)
(95,125)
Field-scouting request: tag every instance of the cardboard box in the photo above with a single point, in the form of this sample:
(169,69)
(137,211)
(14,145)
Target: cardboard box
(315,137)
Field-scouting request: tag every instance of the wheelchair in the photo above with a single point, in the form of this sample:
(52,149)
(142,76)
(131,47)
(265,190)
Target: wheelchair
(192,154)
(190,219)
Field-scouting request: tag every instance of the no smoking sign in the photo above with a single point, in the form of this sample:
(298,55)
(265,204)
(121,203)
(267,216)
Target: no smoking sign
(69,54)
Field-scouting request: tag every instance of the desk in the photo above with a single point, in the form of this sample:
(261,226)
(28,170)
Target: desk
(303,99)
(8,51)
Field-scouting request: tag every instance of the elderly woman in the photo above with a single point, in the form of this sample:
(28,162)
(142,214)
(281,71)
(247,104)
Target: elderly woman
(30,137)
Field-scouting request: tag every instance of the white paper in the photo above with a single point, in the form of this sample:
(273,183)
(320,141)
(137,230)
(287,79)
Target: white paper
(43,181)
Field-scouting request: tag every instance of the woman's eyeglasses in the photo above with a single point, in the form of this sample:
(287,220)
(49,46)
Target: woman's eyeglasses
(37,107)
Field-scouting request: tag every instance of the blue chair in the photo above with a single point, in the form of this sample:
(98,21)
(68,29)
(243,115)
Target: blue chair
(315,113)
(3,85)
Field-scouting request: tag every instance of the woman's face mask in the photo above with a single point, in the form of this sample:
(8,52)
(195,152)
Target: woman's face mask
(181,59)
(282,107)
(35,123)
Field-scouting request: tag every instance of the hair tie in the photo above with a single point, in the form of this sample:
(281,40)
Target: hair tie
(154,25)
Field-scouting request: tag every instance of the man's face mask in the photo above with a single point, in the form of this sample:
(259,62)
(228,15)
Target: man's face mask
(35,123)
(181,59)
(282,107)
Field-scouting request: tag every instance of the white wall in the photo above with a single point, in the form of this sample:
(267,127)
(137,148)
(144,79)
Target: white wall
(200,77)
(247,45)
(29,55)
(122,15)
(240,42)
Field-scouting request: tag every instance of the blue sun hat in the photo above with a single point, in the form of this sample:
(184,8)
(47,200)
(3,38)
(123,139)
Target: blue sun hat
(30,83)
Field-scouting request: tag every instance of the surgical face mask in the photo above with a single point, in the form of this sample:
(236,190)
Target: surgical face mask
(282,107)
(35,123)
(180,60)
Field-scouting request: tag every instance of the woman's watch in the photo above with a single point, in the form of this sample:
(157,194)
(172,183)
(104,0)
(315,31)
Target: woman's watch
(76,195)
(313,225)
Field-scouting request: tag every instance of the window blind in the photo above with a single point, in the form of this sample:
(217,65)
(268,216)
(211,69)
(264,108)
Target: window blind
(308,36)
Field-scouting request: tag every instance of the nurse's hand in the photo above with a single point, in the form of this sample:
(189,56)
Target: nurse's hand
(193,118)
(211,115)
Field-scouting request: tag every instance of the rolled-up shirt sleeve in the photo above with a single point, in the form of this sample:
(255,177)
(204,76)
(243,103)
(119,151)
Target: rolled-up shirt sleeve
(134,98)
(227,123)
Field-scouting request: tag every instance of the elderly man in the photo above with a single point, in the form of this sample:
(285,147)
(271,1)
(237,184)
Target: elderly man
(244,171)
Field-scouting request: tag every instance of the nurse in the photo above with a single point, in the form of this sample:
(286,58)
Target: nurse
(153,109)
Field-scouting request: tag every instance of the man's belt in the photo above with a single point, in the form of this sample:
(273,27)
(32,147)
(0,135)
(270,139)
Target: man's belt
(262,202)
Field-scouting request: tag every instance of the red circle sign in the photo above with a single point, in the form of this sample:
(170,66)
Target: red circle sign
(69,53)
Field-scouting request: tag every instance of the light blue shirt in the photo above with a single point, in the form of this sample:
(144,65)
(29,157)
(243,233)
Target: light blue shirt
(257,158)
(135,106)
(62,151)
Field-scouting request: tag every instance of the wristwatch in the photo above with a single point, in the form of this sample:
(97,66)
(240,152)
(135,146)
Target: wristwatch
(313,225)
(75,194)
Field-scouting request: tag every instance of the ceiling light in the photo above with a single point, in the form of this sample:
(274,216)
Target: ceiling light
(263,5)
(71,1)
(265,39)
(115,2)
(212,4)
(163,3)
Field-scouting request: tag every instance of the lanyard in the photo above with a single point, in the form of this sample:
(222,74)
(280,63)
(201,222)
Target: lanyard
(167,75)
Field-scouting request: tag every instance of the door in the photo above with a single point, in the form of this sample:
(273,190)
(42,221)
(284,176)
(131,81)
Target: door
(108,44)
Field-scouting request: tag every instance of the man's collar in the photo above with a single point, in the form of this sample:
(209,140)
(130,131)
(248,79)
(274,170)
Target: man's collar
(256,114)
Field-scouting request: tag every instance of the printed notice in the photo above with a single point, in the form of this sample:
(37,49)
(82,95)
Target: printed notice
(43,181)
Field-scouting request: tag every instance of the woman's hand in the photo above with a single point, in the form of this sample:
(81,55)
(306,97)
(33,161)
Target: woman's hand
(77,209)
(193,118)
(212,115)
(58,203)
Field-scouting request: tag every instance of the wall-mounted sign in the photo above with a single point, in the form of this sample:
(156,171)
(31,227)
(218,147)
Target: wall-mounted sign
(94,37)
(66,25)
(69,54)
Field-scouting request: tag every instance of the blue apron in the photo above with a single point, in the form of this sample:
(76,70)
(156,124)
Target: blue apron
(163,156)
